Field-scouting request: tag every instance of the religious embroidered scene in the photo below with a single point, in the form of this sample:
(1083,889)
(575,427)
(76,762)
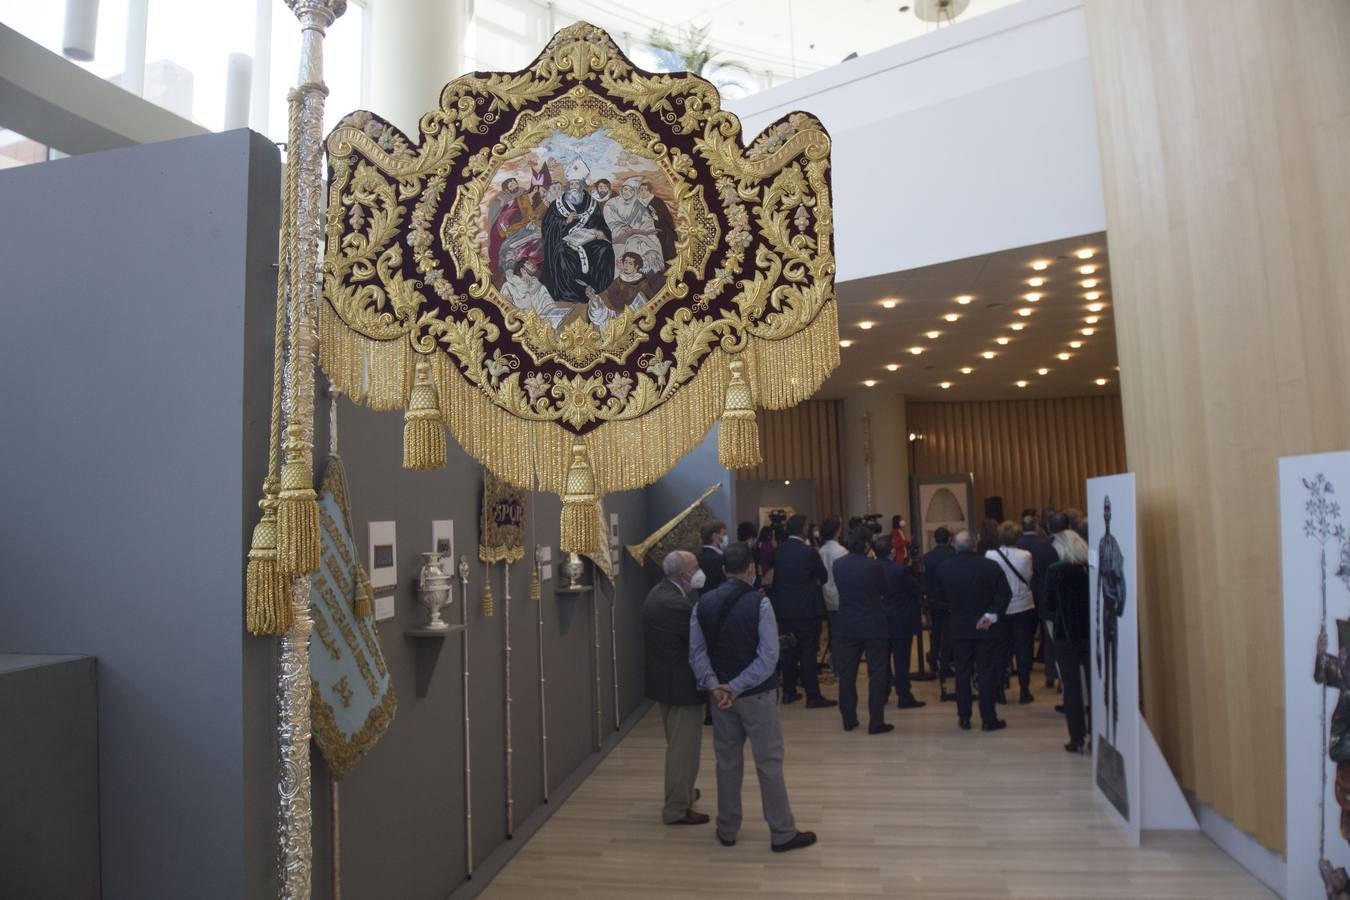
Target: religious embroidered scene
(578,228)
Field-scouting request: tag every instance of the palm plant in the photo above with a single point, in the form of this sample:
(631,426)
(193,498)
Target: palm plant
(691,50)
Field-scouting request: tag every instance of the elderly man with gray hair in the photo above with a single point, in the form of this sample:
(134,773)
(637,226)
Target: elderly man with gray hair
(975,594)
(670,681)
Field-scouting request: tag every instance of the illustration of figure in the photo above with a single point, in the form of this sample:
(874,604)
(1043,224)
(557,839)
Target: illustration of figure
(577,251)
(1111,591)
(526,292)
(662,219)
(602,192)
(631,224)
(514,220)
(632,287)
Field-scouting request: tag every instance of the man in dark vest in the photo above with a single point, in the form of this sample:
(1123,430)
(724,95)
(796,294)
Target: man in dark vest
(733,649)
(974,593)
(671,683)
(798,575)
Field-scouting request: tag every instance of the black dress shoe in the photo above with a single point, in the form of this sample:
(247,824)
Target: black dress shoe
(691,818)
(880,729)
(1074,746)
(820,702)
(994,725)
(1025,697)
(1059,707)
(791,698)
(802,839)
(947,697)
(964,723)
(849,726)
(910,702)
(726,841)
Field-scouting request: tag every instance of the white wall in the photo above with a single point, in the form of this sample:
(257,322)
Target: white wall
(977,137)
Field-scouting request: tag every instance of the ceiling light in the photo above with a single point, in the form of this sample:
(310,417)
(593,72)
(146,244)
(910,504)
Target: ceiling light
(1001,340)
(916,350)
(1085,253)
(1024,312)
(1036,282)
(892,367)
(1089,332)
(988,354)
(945,385)
(1094,307)
(1092,320)
(951,317)
(1088,282)
(1093,295)
(845,344)
(1075,344)
(964,299)
(1064,356)
(1033,297)
(787,482)
(1018,326)
(966,370)
(1041,265)
(1101,381)
(866,325)
(1086,270)
(888,304)
(933,335)
(871,382)
(1021,384)
(1042,371)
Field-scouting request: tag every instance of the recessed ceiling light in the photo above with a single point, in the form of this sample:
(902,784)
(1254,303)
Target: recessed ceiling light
(1093,295)
(1094,307)
(1088,282)
(945,385)
(845,344)
(964,299)
(916,350)
(1036,282)
(933,335)
(952,317)
(1021,384)
(1101,381)
(1024,311)
(871,382)
(1042,371)
(1018,326)
(1092,320)
(988,354)
(866,325)
(1064,356)
(1002,341)
(1075,344)
(1085,253)
(966,370)
(1032,297)
(1041,265)
(1089,332)
(892,367)
(1086,270)
(888,304)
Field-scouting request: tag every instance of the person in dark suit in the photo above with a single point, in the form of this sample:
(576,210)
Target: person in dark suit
(1068,613)
(798,604)
(902,600)
(710,558)
(937,618)
(670,681)
(1043,556)
(861,627)
(974,593)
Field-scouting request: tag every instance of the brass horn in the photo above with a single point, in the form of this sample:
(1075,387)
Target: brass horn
(639,551)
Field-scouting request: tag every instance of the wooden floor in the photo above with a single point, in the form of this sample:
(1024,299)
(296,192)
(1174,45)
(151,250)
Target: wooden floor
(925,811)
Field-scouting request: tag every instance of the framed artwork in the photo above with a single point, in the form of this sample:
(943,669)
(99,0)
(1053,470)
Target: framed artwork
(941,501)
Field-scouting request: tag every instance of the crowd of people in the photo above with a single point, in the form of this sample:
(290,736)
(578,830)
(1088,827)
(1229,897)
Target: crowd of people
(738,629)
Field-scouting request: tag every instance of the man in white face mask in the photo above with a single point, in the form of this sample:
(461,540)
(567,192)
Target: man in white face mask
(670,681)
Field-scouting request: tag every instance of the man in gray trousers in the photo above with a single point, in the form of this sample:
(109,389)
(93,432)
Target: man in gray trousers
(733,649)
(670,682)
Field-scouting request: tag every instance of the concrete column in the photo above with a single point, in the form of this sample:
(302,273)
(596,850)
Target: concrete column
(416,46)
(890,457)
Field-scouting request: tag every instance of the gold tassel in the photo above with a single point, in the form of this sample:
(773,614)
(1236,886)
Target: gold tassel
(738,432)
(298,548)
(578,509)
(423,431)
(488,607)
(267,602)
(363,602)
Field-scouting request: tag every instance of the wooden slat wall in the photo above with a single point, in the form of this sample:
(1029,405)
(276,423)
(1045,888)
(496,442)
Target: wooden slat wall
(801,443)
(1032,453)
(1225,136)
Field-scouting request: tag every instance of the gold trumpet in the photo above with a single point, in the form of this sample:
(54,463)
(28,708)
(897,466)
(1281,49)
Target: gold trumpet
(639,551)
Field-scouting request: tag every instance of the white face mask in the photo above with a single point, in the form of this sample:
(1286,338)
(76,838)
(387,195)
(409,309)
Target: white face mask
(723,542)
(697,580)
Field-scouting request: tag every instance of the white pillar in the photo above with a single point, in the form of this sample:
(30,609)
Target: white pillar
(238,77)
(416,46)
(890,455)
(81,31)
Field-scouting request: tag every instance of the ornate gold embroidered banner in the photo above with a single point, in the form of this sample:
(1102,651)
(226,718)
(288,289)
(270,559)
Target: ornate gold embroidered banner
(579,268)
(501,528)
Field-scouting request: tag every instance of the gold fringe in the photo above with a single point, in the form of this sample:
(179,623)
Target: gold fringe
(363,604)
(423,433)
(738,432)
(298,547)
(786,372)
(267,600)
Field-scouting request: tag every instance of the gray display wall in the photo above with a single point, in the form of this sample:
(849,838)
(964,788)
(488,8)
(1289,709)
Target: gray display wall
(752,494)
